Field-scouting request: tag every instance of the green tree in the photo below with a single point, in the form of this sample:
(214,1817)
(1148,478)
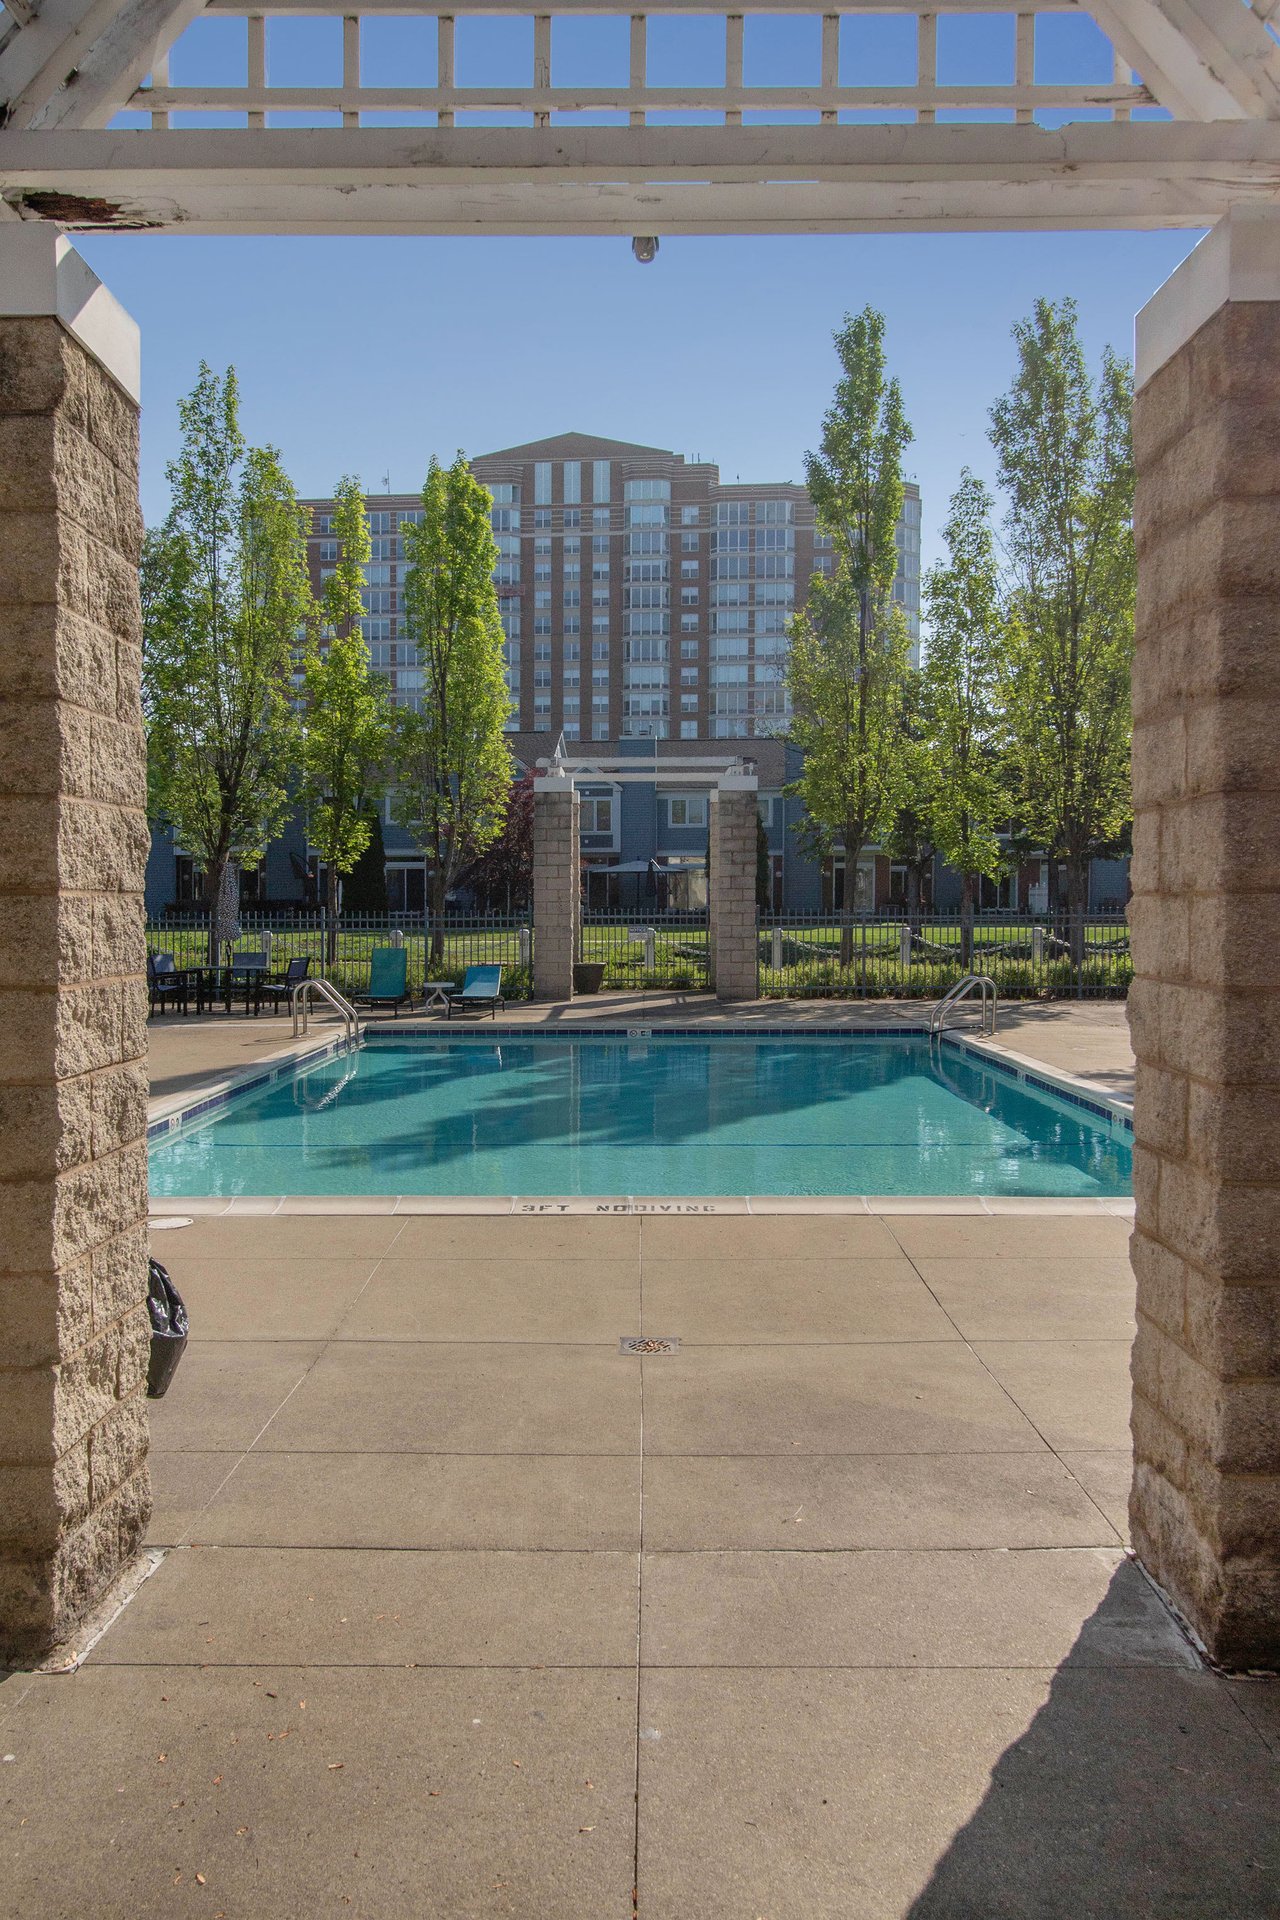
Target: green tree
(1066,465)
(346,731)
(849,658)
(453,763)
(963,670)
(502,876)
(227,602)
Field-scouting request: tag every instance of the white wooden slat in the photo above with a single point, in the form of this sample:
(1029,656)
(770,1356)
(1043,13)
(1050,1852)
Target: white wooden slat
(542,62)
(160,78)
(691,99)
(444,63)
(639,61)
(831,60)
(664,180)
(926,62)
(733,33)
(1024,70)
(351,65)
(257,52)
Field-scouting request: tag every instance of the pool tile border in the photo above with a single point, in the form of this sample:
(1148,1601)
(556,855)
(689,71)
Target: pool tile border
(1080,1093)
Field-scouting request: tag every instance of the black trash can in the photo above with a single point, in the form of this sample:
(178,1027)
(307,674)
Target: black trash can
(168,1331)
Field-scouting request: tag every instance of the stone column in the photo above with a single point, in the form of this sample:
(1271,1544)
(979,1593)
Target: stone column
(733,925)
(557,895)
(1205,918)
(74,1491)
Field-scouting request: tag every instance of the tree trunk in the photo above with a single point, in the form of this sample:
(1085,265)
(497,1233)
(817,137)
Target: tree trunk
(331,914)
(852,850)
(966,923)
(1077,908)
(437,915)
(212,888)
(915,896)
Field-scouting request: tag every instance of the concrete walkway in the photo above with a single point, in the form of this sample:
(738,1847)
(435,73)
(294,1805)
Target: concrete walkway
(465,1612)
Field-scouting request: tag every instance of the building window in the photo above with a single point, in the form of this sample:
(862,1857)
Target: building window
(600,519)
(686,809)
(600,480)
(597,813)
(689,624)
(505,494)
(542,518)
(646,490)
(689,516)
(688,596)
(505,519)
(572,482)
(688,729)
(542,483)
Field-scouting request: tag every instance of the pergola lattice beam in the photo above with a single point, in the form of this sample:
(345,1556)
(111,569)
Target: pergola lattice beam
(1203,59)
(665,180)
(77,62)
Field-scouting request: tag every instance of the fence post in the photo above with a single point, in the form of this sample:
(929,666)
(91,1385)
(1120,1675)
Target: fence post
(650,950)
(1037,946)
(904,946)
(525,947)
(268,940)
(397,936)
(777,950)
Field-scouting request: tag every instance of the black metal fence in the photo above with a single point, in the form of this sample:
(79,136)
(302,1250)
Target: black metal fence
(1029,959)
(667,951)
(440,953)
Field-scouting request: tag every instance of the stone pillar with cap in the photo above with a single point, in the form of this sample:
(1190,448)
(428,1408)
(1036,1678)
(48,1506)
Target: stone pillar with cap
(557,889)
(733,929)
(1204,1010)
(74,1491)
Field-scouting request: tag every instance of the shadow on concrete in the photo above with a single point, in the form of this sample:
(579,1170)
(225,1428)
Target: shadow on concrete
(1141,1791)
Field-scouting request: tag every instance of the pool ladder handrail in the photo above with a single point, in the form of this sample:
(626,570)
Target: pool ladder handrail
(981,982)
(315,984)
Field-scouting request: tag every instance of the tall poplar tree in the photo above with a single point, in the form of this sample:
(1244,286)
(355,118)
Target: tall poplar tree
(1066,464)
(227,601)
(963,665)
(346,730)
(453,765)
(849,659)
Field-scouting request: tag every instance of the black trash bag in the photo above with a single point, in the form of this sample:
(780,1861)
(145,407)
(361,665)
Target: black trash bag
(168,1331)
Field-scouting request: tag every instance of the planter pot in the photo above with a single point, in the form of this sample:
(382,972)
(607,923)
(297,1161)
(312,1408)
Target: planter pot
(588,977)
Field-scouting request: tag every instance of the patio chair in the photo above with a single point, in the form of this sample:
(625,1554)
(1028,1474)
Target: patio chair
(481,988)
(251,966)
(165,983)
(278,992)
(388,980)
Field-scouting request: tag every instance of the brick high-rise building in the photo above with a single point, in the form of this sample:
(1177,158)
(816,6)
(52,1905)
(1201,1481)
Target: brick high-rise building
(641,597)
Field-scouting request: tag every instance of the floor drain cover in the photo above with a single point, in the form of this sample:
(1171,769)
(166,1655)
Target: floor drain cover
(651,1343)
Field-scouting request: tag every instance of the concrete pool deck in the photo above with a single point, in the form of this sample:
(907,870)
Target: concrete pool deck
(463,1611)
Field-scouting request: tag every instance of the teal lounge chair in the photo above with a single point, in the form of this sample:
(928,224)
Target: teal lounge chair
(481,988)
(388,980)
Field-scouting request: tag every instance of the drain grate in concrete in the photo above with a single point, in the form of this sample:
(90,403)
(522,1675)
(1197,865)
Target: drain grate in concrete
(648,1343)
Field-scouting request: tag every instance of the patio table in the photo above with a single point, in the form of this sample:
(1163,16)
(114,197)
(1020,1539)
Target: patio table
(218,981)
(435,993)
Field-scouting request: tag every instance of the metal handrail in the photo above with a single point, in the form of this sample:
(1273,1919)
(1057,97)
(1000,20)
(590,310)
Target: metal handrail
(960,991)
(301,995)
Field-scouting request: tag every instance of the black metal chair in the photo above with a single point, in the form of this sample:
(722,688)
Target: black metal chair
(165,983)
(277,992)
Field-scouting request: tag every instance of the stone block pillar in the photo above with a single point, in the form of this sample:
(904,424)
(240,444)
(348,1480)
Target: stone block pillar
(74,1492)
(557,892)
(1205,916)
(733,923)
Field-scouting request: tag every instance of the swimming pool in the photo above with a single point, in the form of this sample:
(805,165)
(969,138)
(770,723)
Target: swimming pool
(507,1113)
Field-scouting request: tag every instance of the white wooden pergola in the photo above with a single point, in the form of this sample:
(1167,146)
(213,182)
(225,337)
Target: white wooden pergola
(1202,77)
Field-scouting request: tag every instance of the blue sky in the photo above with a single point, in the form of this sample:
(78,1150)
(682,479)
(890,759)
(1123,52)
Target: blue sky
(369,355)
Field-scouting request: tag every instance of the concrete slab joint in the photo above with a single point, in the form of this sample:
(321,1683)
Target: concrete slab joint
(74,1491)
(1204,1009)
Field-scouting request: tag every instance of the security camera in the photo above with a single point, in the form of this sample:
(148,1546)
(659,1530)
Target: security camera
(645,247)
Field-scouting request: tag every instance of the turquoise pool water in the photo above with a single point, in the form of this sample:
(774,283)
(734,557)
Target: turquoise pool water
(675,1114)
